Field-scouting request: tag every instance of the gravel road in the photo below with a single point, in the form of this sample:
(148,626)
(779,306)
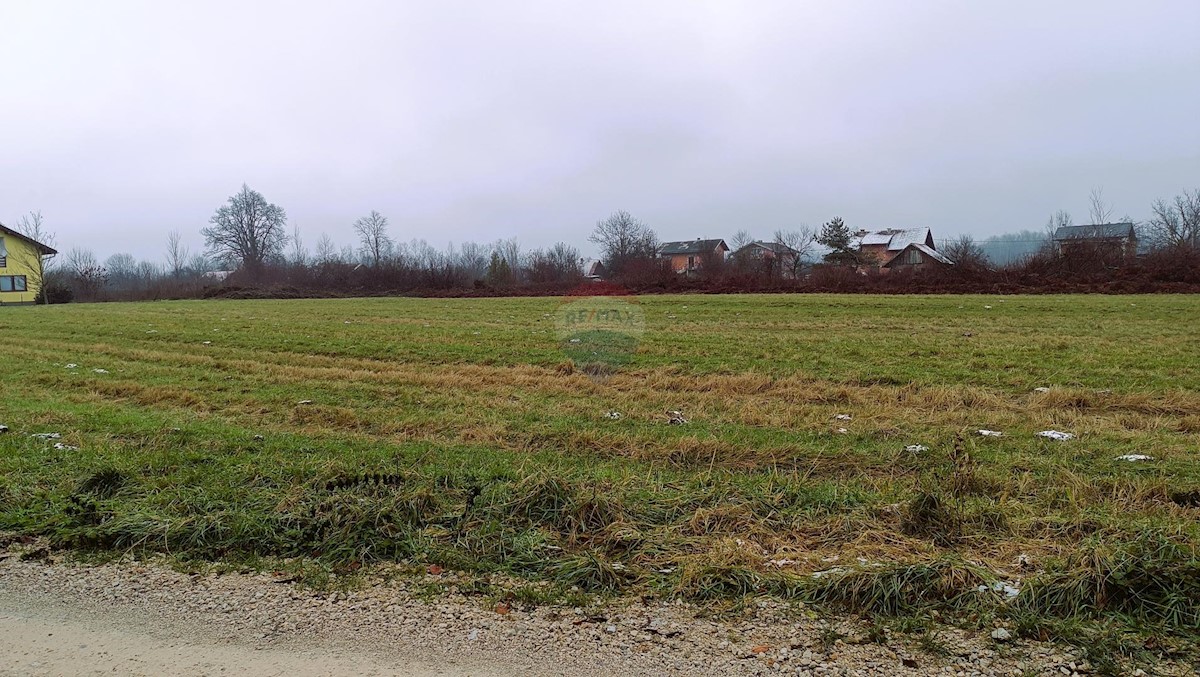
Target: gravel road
(62,618)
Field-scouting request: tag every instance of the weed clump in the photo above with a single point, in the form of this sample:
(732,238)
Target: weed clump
(899,589)
(1152,578)
(102,484)
(930,516)
(592,572)
(556,503)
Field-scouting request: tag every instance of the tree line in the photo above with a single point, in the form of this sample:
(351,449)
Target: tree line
(248,246)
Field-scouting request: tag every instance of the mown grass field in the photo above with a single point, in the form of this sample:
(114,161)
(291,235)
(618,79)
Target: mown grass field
(338,433)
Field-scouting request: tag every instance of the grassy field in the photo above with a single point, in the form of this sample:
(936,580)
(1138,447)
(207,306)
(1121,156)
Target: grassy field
(338,433)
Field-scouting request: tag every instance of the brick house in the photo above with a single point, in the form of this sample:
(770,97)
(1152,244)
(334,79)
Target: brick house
(689,256)
(774,257)
(876,249)
(1116,241)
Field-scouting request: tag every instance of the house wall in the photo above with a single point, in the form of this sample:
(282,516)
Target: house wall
(21,259)
(879,251)
(901,263)
(679,262)
(1114,247)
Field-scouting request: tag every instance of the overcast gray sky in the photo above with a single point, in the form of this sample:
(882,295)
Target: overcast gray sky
(480,120)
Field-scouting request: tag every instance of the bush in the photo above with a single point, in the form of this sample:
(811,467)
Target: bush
(56,292)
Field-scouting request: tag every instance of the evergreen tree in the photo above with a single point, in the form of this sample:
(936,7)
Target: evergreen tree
(836,235)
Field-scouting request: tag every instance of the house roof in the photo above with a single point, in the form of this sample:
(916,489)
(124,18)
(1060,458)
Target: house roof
(928,251)
(777,247)
(1096,231)
(44,249)
(691,247)
(896,239)
(592,268)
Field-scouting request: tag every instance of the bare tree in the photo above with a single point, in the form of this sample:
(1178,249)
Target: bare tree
(623,239)
(559,264)
(177,253)
(965,253)
(510,252)
(199,264)
(34,260)
(473,260)
(740,239)
(374,243)
(326,250)
(121,268)
(248,229)
(1059,219)
(1176,223)
(1099,210)
(86,273)
(802,242)
(299,255)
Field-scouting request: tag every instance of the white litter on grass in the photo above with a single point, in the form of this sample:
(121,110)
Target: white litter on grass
(305,402)
(841,431)
(1135,457)
(1009,589)
(3,428)
(989,433)
(1041,389)
(916,448)
(781,562)
(666,570)
(614,415)
(207,343)
(474,333)
(72,366)
(843,417)
(827,572)
(46,436)
(1056,435)
(988,307)
(65,447)
(100,371)
(676,418)
(151,331)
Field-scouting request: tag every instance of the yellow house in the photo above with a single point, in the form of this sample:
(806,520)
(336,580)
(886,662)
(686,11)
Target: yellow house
(22,264)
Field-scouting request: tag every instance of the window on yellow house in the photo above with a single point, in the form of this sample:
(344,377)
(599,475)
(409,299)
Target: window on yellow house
(12,283)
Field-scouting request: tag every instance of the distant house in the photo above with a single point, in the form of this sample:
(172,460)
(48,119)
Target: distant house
(592,270)
(217,275)
(876,249)
(1110,240)
(916,256)
(692,255)
(21,266)
(770,256)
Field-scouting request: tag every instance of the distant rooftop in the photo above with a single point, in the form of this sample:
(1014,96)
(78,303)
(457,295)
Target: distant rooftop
(896,239)
(690,247)
(1096,231)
